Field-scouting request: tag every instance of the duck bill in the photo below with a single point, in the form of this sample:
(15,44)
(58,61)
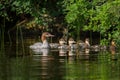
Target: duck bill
(72,41)
(50,35)
(62,42)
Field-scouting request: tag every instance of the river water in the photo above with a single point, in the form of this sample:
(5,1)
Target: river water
(19,62)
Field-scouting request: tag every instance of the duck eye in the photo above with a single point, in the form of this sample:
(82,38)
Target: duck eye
(47,34)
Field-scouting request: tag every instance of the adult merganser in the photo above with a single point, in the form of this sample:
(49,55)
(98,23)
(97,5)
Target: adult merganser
(44,43)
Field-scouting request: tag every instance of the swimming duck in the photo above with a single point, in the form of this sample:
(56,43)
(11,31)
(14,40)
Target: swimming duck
(87,44)
(44,43)
(95,48)
(63,48)
(112,47)
(62,44)
(84,45)
(72,44)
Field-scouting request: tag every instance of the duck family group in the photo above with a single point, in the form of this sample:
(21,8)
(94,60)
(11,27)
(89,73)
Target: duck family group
(71,44)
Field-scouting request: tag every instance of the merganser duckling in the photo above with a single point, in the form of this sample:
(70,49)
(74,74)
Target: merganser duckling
(95,48)
(72,44)
(44,43)
(62,47)
(87,44)
(112,47)
(62,44)
(84,45)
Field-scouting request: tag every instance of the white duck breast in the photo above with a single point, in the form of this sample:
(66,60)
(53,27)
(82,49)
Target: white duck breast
(44,43)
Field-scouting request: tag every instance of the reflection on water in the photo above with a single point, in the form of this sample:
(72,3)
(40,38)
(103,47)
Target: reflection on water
(59,65)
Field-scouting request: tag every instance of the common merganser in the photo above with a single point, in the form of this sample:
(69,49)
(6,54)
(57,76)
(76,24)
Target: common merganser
(112,47)
(62,47)
(44,43)
(41,52)
(72,44)
(62,44)
(84,45)
(87,44)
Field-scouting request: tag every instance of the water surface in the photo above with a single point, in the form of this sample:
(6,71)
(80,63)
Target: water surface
(24,64)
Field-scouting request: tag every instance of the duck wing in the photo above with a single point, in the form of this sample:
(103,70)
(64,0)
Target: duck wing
(36,45)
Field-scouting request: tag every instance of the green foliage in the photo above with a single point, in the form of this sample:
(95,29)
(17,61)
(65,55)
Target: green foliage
(42,11)
(21,6)
(98,15)
(75,10)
